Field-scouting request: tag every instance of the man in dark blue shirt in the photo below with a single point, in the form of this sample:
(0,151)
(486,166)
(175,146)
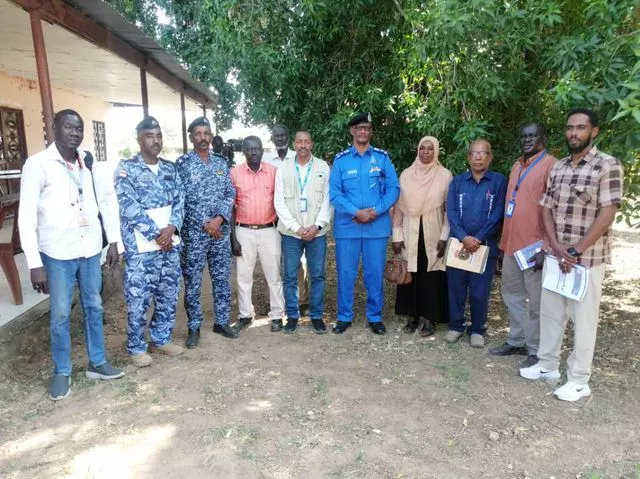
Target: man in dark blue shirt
(475,206)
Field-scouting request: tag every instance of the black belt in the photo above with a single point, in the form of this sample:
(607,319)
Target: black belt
(257,227)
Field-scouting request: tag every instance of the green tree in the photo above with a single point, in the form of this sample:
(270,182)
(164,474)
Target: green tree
(456,69)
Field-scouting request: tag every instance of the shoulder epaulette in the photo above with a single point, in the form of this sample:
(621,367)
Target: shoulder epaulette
(341,154)
(380,150)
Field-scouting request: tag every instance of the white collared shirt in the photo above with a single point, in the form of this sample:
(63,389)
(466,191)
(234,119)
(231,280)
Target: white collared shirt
(274,159)
(52,210)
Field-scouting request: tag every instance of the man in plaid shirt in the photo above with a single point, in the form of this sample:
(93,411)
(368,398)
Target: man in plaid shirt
(584,192)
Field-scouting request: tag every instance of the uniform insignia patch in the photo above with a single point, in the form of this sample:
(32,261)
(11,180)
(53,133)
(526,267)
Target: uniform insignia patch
(352,172)
(220,172)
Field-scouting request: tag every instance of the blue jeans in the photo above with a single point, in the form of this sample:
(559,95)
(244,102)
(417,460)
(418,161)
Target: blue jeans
(62,276)
(316,253)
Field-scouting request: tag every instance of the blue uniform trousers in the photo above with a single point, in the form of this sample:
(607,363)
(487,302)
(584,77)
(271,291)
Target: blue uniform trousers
(374,256)
(199,248)
(151,275)
(478,286)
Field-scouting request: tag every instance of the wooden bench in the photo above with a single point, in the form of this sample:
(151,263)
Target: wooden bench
(8,242)
(8,189)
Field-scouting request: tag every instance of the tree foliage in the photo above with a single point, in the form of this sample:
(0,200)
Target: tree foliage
(455,69)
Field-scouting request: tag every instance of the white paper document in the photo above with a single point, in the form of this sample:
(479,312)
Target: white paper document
(160,217)
(456,256)
(523,255)
(572,285)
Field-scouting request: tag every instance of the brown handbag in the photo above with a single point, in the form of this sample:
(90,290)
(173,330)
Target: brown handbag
(397,270)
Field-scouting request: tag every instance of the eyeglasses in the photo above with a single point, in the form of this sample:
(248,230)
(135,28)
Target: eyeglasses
(482,154)
(362,127)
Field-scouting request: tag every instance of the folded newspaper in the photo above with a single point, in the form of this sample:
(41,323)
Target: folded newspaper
(456,256)
(523,255)
(572,285)
(160,217)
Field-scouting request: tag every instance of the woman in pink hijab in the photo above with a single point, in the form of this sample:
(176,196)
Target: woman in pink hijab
(420,232)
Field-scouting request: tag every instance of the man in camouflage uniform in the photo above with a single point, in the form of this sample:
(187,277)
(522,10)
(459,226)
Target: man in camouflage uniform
(209,198)
(148,186)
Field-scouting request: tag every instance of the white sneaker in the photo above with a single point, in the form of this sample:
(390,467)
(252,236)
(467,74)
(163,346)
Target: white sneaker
(536,372)
(572,391)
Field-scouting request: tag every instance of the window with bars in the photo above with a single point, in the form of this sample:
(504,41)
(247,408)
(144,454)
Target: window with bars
(13,149)
(99,141)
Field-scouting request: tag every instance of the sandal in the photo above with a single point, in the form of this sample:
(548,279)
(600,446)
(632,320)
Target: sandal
(428,329)
(411,326)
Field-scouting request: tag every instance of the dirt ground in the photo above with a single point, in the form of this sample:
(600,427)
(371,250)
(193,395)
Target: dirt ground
(275,406)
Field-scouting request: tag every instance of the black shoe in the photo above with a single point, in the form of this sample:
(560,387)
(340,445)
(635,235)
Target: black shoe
(341,326)
(192,339)
(531,360)
(243,323)
(291,326)
(507,350)
(411,326)
(378,328)
(226,331)
(319,326)
(276,325)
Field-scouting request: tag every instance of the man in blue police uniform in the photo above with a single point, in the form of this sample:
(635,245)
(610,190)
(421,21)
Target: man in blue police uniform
(209,198)
(151,199)
(363,186)
(475,206)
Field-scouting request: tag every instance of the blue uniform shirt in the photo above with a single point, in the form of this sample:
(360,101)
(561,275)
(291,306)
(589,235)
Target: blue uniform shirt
(139,189)
(362,181)
(476,208)
(208,189)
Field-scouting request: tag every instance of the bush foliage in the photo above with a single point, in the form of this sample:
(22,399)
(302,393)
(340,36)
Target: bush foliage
(454,69)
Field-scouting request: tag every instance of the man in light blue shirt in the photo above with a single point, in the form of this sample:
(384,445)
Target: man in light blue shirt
(363,186)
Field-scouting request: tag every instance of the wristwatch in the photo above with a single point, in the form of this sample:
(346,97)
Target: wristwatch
(573,252)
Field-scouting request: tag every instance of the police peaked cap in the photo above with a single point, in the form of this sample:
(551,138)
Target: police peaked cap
(200,121)
(149,123)
(364,117)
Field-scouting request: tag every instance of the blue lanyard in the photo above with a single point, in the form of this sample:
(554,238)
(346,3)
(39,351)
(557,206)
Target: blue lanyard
(77,181)
(521,177)
(306,176)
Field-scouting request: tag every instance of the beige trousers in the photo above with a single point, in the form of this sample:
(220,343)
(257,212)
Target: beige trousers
(264,244)
(555,310)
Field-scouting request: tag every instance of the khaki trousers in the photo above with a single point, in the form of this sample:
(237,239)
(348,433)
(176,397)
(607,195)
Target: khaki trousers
(521,291)
(264,244)
(555,310)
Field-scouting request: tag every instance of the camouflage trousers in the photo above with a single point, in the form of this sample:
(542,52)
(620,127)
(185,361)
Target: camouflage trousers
(151,275)
(199,248)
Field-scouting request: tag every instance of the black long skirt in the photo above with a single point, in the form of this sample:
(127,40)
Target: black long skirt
(426,295)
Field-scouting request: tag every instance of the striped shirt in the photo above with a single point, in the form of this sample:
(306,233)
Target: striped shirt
(254,193)
(575,195)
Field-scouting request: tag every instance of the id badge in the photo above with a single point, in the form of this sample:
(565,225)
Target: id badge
(83,219)
(511,206)
(303,205)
